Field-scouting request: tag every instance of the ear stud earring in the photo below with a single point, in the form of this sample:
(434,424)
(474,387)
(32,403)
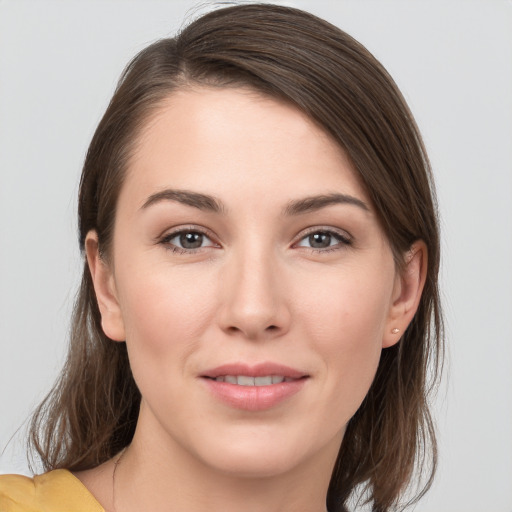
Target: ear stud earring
(395,330)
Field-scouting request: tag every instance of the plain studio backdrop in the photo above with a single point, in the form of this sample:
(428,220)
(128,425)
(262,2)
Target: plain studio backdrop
(59,62)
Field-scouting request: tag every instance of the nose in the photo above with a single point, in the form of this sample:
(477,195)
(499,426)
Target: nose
(254,301)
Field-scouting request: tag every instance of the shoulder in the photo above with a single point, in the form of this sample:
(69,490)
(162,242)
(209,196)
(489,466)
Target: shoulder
(55,490)
(15,493)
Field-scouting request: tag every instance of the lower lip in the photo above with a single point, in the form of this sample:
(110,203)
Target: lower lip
(254,398)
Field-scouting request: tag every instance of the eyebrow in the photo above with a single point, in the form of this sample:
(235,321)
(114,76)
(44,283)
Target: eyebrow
(209,203)
(187,197)
(314,203)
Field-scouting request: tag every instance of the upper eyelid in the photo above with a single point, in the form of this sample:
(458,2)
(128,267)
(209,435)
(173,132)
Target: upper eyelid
(323,229)
(171,233)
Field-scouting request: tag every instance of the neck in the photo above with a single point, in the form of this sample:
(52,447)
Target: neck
(164,477)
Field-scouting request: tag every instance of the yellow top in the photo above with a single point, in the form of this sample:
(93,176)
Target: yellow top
(56,491)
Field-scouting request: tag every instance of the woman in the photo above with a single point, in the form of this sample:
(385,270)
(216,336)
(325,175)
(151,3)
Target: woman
(259,303)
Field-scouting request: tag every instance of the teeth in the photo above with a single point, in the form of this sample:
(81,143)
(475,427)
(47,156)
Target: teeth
(244,380)
(263,381)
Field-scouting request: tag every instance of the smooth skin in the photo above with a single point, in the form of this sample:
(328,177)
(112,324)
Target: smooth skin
(252,276)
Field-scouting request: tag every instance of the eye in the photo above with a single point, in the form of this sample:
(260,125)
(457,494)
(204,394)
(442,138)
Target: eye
(324,240)
(187,240)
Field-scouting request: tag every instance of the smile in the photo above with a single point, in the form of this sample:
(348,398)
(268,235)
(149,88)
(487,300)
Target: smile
(245,380)
(254,387)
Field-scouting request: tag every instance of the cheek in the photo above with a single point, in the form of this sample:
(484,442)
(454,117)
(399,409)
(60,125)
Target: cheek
(165,311)
(344,317)
(346,310)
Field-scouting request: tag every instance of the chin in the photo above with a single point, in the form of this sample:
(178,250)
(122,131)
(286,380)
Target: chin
(255,465)
(256,455)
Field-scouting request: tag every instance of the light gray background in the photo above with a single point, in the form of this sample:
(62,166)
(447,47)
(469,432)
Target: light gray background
(59,61)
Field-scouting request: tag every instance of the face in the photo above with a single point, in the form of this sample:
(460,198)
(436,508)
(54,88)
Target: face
(251,281)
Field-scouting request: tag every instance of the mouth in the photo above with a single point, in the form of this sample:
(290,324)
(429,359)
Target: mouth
(254,388)
(261,374)
(247,380)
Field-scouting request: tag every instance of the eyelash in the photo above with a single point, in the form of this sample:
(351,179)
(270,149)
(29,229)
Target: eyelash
(166,240)
(343,240)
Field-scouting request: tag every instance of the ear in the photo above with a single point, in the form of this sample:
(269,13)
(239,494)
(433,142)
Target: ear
(104,286)
(407,292)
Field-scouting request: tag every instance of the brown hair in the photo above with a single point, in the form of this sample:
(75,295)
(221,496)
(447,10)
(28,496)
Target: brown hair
(296,57)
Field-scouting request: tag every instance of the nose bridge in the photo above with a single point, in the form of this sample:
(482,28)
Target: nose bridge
(254,304)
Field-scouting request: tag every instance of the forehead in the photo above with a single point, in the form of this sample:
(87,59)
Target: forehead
(232,141)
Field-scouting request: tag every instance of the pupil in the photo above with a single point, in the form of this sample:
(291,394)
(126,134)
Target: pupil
(191,240)
(320,240)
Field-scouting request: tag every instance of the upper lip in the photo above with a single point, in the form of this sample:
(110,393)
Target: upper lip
(258,370)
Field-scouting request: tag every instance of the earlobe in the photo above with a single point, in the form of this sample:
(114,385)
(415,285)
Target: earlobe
(406,293)
(104,287)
